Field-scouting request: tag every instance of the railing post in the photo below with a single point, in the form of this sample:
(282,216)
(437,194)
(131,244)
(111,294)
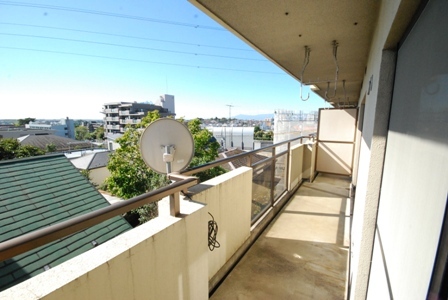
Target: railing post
(273,175)
(174,204)
(288,162)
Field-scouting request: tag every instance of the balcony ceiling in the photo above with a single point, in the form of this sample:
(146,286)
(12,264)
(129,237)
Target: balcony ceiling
(280,30)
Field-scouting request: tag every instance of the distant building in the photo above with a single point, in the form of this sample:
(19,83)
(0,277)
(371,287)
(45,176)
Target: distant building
(12,132)
(92,125)
(289,124)
(167,101)
(111,141)
(119,114)
(234,137)
(42,141)
(63,128)
(267,124)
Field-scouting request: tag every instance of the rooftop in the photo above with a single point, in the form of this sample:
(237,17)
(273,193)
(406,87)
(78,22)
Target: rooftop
(42,191)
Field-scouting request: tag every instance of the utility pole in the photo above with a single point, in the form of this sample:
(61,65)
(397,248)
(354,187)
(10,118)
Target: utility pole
(230,112)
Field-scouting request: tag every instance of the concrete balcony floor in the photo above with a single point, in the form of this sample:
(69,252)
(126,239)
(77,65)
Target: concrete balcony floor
(303,253)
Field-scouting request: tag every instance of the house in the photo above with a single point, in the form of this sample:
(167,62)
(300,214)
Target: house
(111,141)
(39,192)
(42,141)
(95,163)
(17,132)
(239,162)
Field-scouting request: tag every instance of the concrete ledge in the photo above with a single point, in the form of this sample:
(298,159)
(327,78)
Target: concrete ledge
(162,259)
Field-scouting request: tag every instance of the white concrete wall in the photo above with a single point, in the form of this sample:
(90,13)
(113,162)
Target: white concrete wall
(336,135)
(98,175)
(228,198)
(309,160)
(372,148)
(166,258)
(414,186)
(296,165)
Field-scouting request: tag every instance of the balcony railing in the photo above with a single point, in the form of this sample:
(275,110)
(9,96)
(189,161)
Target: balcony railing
(270,172)
(112,119)
(273,180)
(110,110)
(113,127)
(130,121)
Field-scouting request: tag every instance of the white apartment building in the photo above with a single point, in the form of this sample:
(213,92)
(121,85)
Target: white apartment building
(119,114)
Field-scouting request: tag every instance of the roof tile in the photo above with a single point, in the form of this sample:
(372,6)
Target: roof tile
(41,191)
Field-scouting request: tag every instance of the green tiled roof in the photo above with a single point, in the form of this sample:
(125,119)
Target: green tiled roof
(41,191)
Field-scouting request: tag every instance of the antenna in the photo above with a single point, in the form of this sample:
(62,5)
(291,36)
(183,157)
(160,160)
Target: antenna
(166,146)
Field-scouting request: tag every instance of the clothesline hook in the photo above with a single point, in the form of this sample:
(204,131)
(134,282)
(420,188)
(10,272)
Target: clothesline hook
(305,64)
(335,58)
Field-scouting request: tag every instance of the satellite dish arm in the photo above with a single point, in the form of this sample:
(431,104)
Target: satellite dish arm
(168,156)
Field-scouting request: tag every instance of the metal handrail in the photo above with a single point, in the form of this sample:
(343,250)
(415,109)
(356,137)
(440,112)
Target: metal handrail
(26,242)
(219,162)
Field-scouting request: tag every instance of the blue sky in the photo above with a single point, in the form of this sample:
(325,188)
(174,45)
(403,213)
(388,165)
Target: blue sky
(67,58)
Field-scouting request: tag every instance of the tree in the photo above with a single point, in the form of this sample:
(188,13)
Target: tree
(260,134)
(28,151)
(21,122)
(50,148)
(131,177)
(11,148)
(205,150)
(98,134)
(81,133)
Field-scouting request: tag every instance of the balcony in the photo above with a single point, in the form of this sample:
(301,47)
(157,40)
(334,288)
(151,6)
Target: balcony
(112,119)
(110,110)
(115,127)
(130,121)
(302,252)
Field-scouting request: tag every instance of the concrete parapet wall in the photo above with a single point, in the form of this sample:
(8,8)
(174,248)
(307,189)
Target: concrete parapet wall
(228,198)
(162,259)
(296,166)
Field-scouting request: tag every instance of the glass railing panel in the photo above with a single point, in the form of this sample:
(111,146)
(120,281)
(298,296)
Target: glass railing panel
(261,188)
(281,148)
(281,177)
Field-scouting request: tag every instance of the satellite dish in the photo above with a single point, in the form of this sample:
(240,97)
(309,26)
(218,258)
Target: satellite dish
(166,146)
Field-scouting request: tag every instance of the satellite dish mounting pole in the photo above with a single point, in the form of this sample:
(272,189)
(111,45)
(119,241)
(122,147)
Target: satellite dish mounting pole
(171,138)
(168,157)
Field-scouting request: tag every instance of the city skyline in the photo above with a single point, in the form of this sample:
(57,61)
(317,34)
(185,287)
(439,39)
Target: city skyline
(67,61)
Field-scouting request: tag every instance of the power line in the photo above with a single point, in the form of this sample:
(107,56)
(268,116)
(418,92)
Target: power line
(107,14)
(128,46)
(125,36)
(138,60)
